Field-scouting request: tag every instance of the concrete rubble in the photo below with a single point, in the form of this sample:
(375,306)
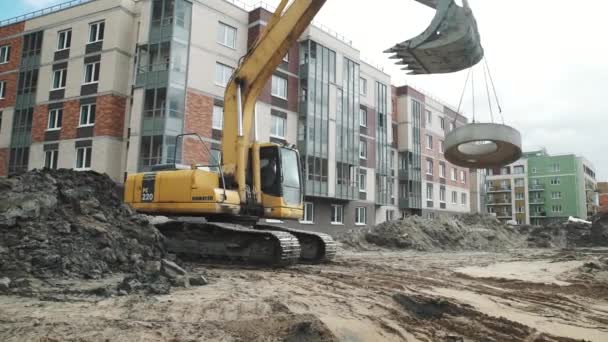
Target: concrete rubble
(74,225)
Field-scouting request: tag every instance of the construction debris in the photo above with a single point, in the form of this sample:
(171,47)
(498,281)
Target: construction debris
(67,224)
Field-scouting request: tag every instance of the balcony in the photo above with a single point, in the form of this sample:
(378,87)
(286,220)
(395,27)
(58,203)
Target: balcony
(504,215)
(538,215)
(499,202)
(537,201)
(537,187)
(499,189)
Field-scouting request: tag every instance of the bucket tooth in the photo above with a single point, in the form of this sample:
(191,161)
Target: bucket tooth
(451,43)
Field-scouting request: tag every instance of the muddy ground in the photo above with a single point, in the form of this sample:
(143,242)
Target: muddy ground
(522,295)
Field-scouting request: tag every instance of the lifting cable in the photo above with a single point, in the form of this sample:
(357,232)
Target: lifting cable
(485,59)
(485,77)
(464,89)
(473,90)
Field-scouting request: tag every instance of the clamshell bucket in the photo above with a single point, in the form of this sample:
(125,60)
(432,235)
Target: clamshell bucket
(451,43)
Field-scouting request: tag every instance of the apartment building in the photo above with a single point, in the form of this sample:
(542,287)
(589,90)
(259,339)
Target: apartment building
(428,184)
(602,189)
(108,85)
(540,188)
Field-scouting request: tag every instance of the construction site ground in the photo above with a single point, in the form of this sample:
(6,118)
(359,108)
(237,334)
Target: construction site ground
(520,295)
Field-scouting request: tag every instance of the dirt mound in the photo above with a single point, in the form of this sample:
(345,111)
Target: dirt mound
(71,224)
(469,232)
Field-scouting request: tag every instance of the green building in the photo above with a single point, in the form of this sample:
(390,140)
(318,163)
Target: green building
(559,187)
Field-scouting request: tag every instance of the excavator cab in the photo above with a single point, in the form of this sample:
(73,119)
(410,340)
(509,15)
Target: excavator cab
(281,185)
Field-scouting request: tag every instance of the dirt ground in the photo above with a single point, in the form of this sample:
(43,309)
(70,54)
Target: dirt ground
(523,295)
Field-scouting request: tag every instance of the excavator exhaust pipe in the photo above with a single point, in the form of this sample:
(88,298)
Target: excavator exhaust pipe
(450,44)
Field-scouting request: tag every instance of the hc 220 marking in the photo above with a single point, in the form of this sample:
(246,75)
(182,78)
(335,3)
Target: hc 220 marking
(147,187)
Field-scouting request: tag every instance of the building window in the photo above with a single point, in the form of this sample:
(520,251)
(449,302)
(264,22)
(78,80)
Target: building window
(87,115)
(91,73)
(442,195)
(309,213)
(520,210)
(55,117)
(534,170)
(429,192)
(452,126)
(50,159)
(442,170)
(441,146)
(83,158)
(429,142)
(336,214)
(429,167)
(555,168)
(223,73)
(454,197)
(96,31)
(361,216)
(279,87)
(442,122)
(556,181)
(362,149)
(557,208)
(429,118)
(363,117)
(64,40)
(518,170)
(218,117)
(363,86)
(151,150)
(463,177)
(362,181)
(453,174)
(2,89)
(226,35)
(278,127)
(520,196)
(520,182)
(59,79)
(463,199)
(5,54)
(556,195)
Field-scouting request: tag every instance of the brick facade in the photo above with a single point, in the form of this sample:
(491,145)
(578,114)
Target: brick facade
(110,116)
(4,155)
(198,119)
(40,122)
(10,90)
(71,118)
(7,37)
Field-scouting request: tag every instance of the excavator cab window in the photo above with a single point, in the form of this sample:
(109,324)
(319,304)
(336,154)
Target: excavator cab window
(270,171)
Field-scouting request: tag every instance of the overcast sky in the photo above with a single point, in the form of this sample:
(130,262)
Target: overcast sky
(549,60)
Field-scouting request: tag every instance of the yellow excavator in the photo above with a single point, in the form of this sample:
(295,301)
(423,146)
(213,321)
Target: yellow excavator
(217,210)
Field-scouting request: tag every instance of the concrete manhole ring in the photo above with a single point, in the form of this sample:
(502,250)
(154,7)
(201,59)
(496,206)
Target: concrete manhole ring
(483,145)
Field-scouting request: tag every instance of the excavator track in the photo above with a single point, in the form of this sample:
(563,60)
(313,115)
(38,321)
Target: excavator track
(230,242)
(316,247)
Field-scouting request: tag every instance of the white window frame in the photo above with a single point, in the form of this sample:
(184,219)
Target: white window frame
(441,146)
(556,168)
(556,181)
(363,117)
(429,192)
(95,66)
(463,177)
(442,195)
(223,68)
(97,24)
(463,198)
(87,151)
(54,156)
(556,195)
(557,208)
(429,167)
(362,182)
(429,142)
(335,209)
(275,121)
(520,196)
(520,210)
(360,212)
(2,90)
(279,87)
(362,86)
(454,197)
(429,118)
(442,170)
(67,43)
(62,79)
(88,122)
(218,114)
(308,207)
(453,174)
(362,149)
(5,50)
(534,170)
(521,181)
(224,39)
(56,124)
(442,122)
